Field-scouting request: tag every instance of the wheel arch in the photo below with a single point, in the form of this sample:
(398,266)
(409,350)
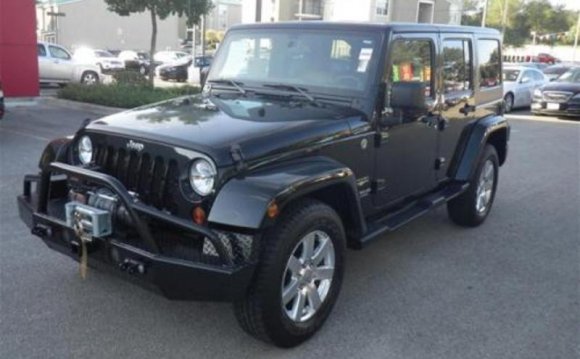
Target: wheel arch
(494,130)
(244,201)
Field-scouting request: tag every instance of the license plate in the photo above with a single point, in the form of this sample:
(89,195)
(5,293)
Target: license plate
(553,106)
(94,222)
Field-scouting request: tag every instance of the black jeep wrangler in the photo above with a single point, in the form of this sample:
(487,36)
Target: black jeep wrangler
(308,138)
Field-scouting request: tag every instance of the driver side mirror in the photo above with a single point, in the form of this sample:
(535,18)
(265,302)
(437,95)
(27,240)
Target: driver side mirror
(407,99)
(409,96)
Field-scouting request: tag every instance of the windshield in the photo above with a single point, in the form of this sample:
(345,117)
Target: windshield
(510,75)
(323,61)
(101,53)
(570,76)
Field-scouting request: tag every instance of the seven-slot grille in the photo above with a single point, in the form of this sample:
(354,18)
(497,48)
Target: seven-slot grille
(153,178)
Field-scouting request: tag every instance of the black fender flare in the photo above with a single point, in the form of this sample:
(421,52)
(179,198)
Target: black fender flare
(243,201)
(479,136)
(55,151)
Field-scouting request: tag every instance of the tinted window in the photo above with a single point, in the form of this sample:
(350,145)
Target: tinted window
(457,65)
(510,75)
(58,53)
(412,62)
(41,50)
(527,76)
(489,63)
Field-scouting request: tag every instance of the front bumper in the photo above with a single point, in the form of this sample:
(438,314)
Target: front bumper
(564,109)
(145,264)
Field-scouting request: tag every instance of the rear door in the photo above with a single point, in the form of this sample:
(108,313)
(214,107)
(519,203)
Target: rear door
(457,99)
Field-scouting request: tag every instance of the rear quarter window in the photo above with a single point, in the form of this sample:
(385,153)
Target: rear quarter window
(489,55)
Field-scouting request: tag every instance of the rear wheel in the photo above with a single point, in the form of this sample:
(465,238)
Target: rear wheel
(298,278)
(472,207)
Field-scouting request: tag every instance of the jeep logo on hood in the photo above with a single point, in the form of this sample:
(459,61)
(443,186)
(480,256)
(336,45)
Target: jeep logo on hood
(132,145)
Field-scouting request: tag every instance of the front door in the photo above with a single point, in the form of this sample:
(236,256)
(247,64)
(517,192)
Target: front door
(62,66)
(405,157)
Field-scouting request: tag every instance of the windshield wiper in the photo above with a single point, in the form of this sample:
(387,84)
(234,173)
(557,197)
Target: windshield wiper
(238,85)
(301,91)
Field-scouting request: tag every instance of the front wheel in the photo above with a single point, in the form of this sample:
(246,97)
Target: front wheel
(89,78)
(298,278)
(472,207)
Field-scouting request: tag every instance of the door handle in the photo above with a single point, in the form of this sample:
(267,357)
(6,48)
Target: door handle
(467,109)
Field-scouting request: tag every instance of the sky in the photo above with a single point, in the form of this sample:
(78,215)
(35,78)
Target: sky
(569,4)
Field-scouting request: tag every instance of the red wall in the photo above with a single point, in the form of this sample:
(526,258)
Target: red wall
(18,57)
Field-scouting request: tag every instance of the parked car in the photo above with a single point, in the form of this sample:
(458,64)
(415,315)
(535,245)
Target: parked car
(136,60)
(164,57)
(176,71)
(554,71)
(519,85)
(547,58)
(106,61)
(2,106)
(535,65)
(56,65)
(251,191)
(559,97)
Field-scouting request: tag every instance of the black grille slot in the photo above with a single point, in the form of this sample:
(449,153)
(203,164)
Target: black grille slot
(152,177)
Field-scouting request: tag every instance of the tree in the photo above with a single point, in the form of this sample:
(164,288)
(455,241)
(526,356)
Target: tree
(192,9)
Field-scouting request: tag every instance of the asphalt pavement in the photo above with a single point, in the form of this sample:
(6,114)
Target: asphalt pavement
(507,289)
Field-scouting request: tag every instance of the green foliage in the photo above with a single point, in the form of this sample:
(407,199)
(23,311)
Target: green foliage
(192,9)
(521,19)
(130,78)
(122,95)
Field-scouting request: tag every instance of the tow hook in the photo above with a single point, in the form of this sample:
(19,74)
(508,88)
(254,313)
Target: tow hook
(132,266)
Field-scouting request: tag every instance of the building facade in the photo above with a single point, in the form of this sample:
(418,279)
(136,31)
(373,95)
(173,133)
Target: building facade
(89,23)
(424,11)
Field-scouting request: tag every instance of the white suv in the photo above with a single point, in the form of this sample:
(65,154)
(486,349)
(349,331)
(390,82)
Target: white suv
(55,65)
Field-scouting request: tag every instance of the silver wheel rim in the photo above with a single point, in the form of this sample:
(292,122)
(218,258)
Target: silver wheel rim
(508,103)
(485,187)
(89,79)
(308,276)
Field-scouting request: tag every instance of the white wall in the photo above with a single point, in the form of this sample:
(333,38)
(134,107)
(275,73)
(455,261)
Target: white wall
(90,23)
(349,10)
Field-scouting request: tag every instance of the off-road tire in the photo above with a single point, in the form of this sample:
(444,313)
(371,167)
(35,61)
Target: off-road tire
(260,313)
(462,209)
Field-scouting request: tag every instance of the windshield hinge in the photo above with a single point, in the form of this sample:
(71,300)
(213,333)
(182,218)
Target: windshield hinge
(238,157)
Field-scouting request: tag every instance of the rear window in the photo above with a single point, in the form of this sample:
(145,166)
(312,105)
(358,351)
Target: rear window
(489,55)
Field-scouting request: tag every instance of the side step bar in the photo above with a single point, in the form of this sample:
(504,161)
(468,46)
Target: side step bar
(394,220)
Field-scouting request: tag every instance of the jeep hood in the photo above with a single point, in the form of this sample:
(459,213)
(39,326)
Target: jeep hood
(261,127)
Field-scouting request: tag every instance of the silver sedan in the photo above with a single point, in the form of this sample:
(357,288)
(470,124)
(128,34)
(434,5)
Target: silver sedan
(519,84)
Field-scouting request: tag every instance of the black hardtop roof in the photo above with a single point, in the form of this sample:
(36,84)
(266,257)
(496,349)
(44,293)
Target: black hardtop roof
(368,26)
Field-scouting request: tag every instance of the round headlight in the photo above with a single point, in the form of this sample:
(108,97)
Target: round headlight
(85,147)
(202,176)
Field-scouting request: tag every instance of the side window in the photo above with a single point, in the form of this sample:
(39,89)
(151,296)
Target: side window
(538,76)
(41,50)
(527,76)
(457,65)
(489,63)
(58,53)
(412,61)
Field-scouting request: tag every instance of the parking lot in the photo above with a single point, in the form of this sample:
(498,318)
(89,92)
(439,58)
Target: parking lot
(508,289)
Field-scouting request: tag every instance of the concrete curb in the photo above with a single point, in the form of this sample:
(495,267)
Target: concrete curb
(75,105)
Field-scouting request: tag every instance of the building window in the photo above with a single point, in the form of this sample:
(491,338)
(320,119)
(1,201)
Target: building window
(382,7)
(489,55)
(425,12)
(457,65)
